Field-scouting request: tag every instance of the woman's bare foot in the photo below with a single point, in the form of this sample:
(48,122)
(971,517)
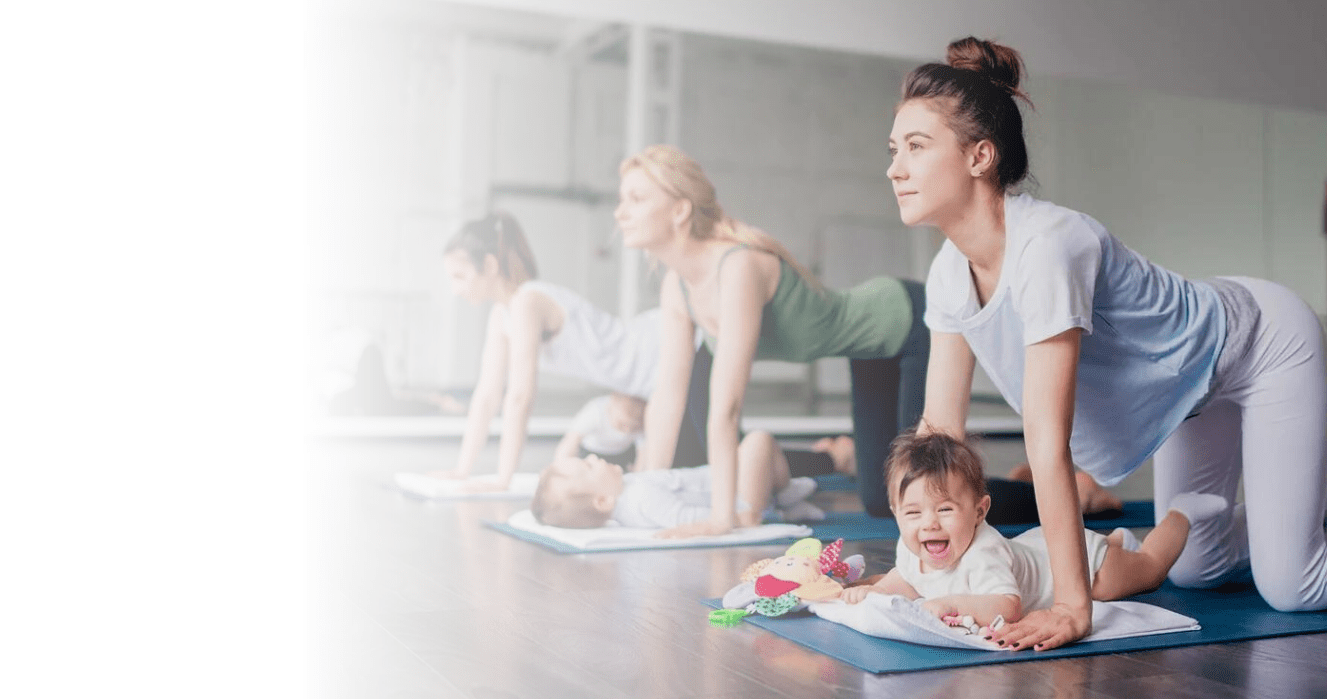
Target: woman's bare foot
(843,451)
(823,444)
(1021,472)
(1092,498)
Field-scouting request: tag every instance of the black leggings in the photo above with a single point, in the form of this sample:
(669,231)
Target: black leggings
(888,395)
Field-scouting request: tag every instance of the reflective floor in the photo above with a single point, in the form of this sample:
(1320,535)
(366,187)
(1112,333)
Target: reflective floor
(417,599)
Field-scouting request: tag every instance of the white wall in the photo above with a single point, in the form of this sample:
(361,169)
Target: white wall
(794,139)
(431,124)
(1200,186)
(1268,52)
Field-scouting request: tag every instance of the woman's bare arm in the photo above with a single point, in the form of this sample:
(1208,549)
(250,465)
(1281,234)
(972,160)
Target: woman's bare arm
(744,288)
(530,316)
(1049,383)
(948,385)
(487,395)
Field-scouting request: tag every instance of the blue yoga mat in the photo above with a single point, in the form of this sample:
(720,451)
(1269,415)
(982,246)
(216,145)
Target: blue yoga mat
(1238,615)
(849,526)
(563,547)
(834,481)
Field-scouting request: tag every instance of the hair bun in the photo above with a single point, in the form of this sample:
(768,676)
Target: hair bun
(999,64)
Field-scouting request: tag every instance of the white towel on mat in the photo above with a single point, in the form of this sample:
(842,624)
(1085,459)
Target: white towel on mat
(898,618)
(425,486)
(616,537)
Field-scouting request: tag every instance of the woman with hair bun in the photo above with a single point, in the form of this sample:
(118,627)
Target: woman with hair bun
(751,300)
(1109,358)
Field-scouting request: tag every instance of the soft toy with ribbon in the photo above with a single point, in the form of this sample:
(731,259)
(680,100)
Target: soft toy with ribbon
(806,572)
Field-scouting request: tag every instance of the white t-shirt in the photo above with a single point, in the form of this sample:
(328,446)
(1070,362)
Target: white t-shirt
(668,498)
(597,432)
(1150,340)
(599,347)
(994,565)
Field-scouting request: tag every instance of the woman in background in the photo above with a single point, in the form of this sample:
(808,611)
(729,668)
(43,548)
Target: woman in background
(535,325)
(752,300)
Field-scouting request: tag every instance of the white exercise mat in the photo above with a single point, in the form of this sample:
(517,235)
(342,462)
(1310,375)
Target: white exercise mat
(616,537)
(897,618)
(426,486)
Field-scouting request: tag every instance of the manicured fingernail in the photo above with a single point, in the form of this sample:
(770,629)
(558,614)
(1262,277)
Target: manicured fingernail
(1013,645)
(1000,642)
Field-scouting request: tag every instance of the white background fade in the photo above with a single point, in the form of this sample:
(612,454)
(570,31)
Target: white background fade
(151,518)
(153,283)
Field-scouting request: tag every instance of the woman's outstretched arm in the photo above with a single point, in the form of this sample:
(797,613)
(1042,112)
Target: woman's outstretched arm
(948,385)
(667,404)
(487,394)
(529,317)
(744,289)
(1050,377)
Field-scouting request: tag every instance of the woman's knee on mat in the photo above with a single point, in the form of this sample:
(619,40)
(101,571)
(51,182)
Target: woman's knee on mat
(1284,600)
(1290,585)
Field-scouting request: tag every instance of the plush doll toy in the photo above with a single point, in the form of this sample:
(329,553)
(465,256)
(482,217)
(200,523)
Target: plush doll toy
(806,572)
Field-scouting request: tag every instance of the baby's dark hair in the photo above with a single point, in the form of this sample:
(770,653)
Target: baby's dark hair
(933,458)
(563,509)
(499,235)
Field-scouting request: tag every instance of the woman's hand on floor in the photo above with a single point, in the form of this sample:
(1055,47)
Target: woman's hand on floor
(1045,629)
(481,487)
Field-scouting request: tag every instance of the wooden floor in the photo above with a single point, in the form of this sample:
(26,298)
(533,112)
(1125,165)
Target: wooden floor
(414,599)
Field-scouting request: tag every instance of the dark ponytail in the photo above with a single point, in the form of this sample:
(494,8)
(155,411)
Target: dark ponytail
(977,86)
(499,235)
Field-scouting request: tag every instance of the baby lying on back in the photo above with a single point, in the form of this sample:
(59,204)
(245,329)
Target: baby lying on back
(584,493)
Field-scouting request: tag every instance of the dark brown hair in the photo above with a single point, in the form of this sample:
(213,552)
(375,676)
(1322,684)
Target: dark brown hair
(499,235)
(932,458)
(975,89)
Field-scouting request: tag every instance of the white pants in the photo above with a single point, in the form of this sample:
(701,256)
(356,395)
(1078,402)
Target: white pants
(1268,423)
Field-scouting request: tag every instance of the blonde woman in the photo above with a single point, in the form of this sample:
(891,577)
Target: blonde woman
(749,299)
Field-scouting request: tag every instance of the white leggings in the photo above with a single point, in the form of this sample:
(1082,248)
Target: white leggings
(1268,423)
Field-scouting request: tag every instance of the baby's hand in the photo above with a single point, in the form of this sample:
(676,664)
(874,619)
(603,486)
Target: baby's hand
(940,608)
(853,595)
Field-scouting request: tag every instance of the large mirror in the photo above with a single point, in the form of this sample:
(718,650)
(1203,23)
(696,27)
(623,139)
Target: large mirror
(433,113)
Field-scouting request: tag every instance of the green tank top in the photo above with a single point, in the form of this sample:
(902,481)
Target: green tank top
(800,324)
